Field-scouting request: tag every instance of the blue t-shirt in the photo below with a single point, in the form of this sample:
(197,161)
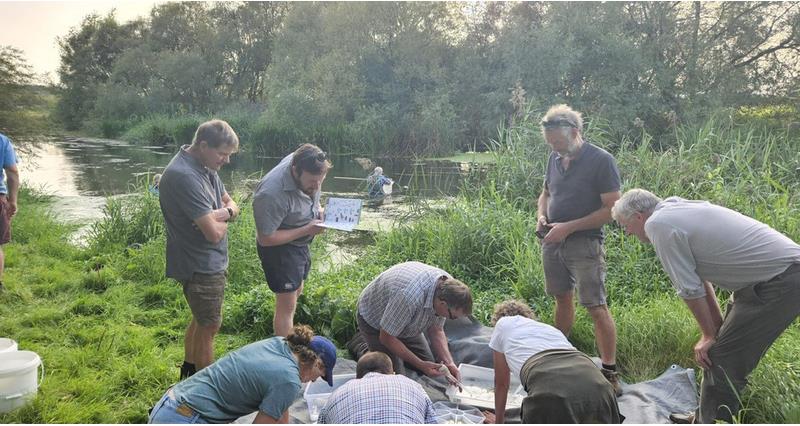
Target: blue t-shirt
(7,158)
(262,376)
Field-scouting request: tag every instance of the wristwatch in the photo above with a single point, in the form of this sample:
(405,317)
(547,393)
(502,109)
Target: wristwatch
(230,214)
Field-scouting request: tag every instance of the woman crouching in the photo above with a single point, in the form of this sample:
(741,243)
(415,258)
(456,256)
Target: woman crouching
(563,384)
(264,376)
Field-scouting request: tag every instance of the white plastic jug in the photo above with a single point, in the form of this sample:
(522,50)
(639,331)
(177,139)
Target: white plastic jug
(7,345)
(18,379)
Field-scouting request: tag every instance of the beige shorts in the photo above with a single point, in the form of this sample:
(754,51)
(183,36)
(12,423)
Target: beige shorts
(580,262)
(205,293)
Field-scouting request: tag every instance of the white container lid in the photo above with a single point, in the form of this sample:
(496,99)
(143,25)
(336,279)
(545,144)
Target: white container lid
(7,345)
(13,363)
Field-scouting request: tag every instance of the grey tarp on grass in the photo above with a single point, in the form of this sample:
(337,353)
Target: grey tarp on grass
(646,402)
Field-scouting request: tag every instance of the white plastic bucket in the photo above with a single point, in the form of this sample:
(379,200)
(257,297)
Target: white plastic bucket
(18,379)
(7,345)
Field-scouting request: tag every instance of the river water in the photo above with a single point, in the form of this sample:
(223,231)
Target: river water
(81,172)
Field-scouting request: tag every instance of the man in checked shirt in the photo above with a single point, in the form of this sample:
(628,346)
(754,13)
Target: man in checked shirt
(378,396)
(403,302)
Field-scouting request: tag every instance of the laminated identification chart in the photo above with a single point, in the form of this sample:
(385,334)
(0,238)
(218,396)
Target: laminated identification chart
(342,214)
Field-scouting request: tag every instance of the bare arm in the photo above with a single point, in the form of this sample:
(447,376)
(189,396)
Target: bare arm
(263,418)
(212,227)
(502,381)
(709,317)
(400,349)
(441,350)
(541,205)
(228,203)
(12,174)
(594,220)
(283,236)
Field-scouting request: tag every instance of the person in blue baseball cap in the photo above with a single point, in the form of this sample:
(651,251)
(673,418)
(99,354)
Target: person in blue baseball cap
(263,377)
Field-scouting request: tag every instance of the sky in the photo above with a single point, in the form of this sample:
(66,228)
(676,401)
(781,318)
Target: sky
(32,26)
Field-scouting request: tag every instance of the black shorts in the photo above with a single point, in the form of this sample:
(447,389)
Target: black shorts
(285,266)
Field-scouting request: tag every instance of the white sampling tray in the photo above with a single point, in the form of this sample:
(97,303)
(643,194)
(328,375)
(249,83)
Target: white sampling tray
(447,412)
(478,384)
(318,392)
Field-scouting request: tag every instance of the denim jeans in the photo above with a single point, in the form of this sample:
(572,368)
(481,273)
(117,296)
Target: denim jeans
(168,411)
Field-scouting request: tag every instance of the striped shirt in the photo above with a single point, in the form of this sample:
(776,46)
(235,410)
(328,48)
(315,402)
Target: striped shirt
(378,398)
(400,300)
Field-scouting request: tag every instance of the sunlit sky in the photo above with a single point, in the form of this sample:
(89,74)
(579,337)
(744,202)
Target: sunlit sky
(32,26)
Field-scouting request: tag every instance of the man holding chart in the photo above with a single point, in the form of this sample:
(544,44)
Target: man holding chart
(287,214)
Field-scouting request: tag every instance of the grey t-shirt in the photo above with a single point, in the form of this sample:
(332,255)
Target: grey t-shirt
(279,204)
(262,376)
(697,240)
(188,191)
(575,192)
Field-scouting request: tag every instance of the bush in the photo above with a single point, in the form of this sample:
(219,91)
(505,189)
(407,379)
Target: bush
(129,220)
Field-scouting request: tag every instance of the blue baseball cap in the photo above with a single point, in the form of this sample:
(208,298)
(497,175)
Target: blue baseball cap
(326,351)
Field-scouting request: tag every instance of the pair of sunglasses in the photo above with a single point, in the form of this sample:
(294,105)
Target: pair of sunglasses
(557,123)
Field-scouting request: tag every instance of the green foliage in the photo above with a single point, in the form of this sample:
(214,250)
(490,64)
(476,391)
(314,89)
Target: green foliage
(110,326)
(15,74)
(128,220)
(425,77)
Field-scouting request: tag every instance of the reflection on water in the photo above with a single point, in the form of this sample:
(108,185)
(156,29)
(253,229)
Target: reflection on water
(101,167)
(82,172)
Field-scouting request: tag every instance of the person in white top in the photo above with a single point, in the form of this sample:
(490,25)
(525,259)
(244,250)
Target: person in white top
(563,384)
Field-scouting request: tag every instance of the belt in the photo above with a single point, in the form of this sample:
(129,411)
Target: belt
(182,409)
(543,354)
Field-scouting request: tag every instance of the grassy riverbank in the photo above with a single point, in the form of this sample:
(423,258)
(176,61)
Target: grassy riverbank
(109,326)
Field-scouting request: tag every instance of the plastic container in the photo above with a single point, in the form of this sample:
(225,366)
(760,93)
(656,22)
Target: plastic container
(7,345)
(481,377)
(448,412)
(318,392)
(18,379)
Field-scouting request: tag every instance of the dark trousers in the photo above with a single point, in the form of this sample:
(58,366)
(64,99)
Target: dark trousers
(755,317)
(566,387)
(417,344)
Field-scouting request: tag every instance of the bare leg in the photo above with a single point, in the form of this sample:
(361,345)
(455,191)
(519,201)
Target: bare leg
(188,342)
(565,313)
(204,345)
(285,305)
(605,334)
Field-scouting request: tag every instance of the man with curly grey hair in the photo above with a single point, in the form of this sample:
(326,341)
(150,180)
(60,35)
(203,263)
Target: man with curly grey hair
(563,384)
(581,184)
(700,243)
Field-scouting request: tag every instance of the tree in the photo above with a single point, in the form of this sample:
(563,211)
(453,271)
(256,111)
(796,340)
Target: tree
(88,54)
(245,34)
(15,74)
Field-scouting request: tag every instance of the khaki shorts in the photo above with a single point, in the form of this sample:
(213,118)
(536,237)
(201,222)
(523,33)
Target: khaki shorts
(205,293)
(580,262)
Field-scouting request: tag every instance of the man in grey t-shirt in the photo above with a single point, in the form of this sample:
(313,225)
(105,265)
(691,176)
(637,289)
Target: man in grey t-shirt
(700,243)
(581,184)
(196,211)
(287,211)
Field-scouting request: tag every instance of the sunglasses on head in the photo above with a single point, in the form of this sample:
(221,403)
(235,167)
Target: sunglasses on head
(307,156)
(557,123)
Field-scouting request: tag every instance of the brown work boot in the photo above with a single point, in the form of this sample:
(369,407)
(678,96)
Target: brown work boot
(682,418)
(613,378)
